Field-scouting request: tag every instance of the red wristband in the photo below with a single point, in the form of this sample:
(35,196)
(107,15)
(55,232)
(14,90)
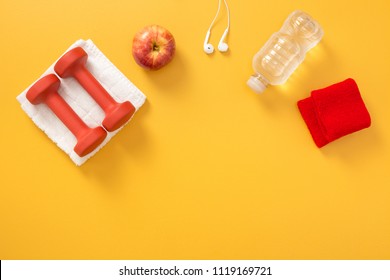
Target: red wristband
(334,111)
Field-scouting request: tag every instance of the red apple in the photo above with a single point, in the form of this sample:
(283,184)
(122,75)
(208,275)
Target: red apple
(153,47)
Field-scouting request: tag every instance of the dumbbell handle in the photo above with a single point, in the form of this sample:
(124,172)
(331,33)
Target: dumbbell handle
(65,113)
(94,88)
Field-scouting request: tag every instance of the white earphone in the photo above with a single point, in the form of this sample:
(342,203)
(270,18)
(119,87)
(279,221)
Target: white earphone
(222,46)
(207,47)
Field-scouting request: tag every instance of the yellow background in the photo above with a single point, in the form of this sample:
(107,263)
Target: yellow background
(207,169)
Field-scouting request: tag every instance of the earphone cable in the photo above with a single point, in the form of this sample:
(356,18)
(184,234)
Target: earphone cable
(228,14)
(216,15)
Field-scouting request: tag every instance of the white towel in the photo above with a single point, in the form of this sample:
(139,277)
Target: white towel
(119,87)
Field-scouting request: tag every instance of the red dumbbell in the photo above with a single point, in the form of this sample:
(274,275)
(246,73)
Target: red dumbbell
(72,64)
(45,91)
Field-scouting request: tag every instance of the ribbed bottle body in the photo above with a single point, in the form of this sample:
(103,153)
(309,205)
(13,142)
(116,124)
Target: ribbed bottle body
(284,51)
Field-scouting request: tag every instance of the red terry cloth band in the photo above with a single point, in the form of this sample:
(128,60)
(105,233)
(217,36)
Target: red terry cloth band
(334,111)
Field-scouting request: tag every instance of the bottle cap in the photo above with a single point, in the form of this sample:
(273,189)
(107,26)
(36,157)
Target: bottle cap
(256,84)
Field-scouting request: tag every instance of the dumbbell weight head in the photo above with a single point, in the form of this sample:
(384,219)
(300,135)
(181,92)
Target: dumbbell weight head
(90,140)
(70,62)
(42,88)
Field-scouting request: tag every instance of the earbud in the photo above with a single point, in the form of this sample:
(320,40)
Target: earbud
(222,46)
(207,47)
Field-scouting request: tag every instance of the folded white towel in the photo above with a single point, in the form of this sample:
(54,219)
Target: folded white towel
(119,87)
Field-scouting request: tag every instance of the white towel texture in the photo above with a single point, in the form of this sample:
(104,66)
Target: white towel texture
(116,84)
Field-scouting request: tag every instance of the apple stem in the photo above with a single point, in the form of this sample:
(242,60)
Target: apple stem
(155,47)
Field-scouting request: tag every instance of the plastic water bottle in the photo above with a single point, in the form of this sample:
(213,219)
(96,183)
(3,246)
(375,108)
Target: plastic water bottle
(284,51)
